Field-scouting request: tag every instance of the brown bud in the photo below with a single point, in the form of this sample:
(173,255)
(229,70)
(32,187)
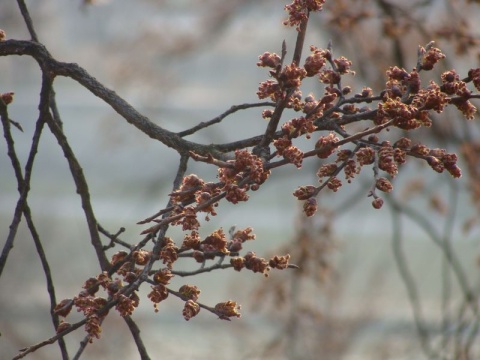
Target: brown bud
(63,308)
(384,185)
(63,326)
(7,97)
(377,203)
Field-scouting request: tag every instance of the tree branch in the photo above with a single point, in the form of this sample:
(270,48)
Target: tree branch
(220,117)
(82,189)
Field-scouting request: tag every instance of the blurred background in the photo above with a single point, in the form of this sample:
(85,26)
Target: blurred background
(396,283)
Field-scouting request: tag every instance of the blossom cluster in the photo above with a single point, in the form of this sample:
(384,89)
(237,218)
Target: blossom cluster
(120,292)
(95,307)
(285,87)
(298,11)
(404,104)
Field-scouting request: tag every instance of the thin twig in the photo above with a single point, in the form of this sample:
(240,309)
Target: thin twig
(209,159)
(27,19)
(222,116)
(135,331)
(24,352)
(409,282)
(262,149)
(446,282)
(44,113)
(344,141)
(216,266)
(17,214)
(82,189)
(83,345)
(452,259)
(55,68)
(297,54)
(113,238)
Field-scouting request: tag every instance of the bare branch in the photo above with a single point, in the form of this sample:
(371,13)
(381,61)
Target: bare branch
(220,117)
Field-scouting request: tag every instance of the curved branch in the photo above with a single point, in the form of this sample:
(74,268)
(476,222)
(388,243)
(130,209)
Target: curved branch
(55,68)
(82,189)
(219,118)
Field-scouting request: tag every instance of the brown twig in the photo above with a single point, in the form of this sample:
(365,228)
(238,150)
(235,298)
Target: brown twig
(82,189)
(113,238)
(135,331)
(209,159)
(222,116)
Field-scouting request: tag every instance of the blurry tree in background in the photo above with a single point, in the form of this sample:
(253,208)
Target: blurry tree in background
(398,136)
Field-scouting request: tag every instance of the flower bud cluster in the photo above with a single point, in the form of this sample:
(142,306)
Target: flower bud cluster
(227,309)
(383,184)
(189,292)
(386,160)
(257,264)
(431,57)
(158,294)
(474,76)
(246,166)
(305,192)
(291,76)
(279,262)
(190,309)
(439,161)
(316,60)
(327,170)
(270,60)
(270,89)
(452,85)
(334,183)
(238,176)
(297,127)
(191,241)
(163,276)
(343,65)
(365,156)
(294,155)
(310,206)
(286,79)
(169,252)
(238,238)
(430,98)
(126,305)
(298,11)
(186,193)
(215,242)
(93,306)
(325,146)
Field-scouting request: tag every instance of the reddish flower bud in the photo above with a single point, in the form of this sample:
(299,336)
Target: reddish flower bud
(377,203)
(7,97)
(304,192)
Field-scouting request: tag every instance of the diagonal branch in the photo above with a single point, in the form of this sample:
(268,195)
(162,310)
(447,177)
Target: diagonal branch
(262,147)
(135,331)
(17,215)
(409,282)
(55,68)
(82,189)
(222,116)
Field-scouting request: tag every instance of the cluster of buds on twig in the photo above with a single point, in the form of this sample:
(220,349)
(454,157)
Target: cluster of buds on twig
(403,104)
(120,292)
